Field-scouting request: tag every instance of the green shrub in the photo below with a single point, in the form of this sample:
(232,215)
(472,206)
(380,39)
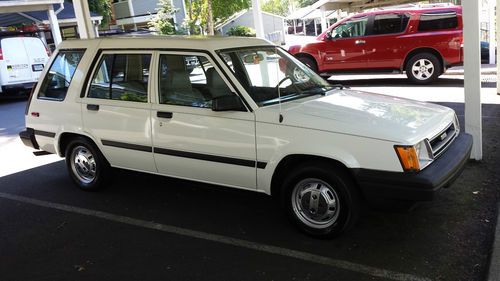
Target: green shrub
(241,31)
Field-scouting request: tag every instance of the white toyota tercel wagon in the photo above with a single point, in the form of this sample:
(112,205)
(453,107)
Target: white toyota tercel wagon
(241,113)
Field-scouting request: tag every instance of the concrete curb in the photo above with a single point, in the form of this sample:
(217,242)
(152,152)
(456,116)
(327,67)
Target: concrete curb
(494,272)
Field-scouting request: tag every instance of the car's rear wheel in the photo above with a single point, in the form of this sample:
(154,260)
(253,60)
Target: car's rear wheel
(423,68)
(322,200)
(86,165)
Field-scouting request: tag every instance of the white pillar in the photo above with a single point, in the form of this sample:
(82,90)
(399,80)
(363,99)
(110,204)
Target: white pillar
(257,19)
(324,25)
(491,32)
(85,25)
(472,73)
(54,26)
(497,44)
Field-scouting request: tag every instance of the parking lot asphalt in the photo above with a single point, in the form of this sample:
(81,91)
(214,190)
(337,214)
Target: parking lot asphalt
(146,227)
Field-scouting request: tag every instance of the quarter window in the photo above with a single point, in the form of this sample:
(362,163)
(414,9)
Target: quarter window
(390,23)
(56,83)
(438,20)
(189,81)
(353,28)
(122,77)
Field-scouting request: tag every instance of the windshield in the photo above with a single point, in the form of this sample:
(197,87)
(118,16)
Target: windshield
(270,74)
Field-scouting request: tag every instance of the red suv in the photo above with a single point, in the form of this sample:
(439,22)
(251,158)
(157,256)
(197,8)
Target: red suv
(421,42)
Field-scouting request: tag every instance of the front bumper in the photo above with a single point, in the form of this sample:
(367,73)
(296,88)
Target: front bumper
(28,138)
(382,185)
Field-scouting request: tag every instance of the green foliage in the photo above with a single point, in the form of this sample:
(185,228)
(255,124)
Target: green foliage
(197,12)
(241,31)
(277,7)
(305,3)
(101,7)
(163,22)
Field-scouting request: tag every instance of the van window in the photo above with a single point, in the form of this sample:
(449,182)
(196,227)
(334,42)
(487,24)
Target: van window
(56,83)
(390,23)
(352,28)
(438,20)
(121,77)
(189,81)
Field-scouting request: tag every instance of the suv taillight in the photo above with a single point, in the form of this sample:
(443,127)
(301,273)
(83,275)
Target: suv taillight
(29,99)
(1,54)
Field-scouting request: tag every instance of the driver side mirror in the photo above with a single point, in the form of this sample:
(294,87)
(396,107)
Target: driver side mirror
(228,103)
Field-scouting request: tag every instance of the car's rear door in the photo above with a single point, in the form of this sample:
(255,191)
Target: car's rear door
(37,56)
(117,110)
(190,139)
(16,64)
(388,44)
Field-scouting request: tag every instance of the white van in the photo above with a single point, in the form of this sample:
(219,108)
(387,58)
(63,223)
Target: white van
(22,59)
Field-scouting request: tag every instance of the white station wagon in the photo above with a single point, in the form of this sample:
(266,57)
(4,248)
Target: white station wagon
(241,113)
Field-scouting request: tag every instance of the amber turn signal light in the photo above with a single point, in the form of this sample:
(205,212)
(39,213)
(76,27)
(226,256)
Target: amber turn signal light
(408,158)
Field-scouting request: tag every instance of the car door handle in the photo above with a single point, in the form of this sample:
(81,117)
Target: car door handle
(359,42)
(93,107)
(164,114)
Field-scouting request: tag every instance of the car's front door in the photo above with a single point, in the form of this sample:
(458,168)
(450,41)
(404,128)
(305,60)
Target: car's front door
(345,49)
(190,139)
(117,110)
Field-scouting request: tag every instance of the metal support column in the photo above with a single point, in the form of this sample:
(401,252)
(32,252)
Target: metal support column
(491,30)
(83,19)
(498,44)
(257,19)
(54,26)
(472,73)
(324,25)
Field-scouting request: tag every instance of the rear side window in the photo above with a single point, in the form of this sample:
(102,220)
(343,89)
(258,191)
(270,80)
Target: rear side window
(390,23)
(56,83)
(438,21)
(121,77)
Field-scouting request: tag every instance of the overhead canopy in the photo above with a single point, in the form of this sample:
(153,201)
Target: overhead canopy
(356,5)
(27,5)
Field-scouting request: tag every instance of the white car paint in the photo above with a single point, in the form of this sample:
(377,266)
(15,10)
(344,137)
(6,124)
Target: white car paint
(354,128)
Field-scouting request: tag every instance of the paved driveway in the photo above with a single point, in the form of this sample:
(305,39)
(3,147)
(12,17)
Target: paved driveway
(146,227)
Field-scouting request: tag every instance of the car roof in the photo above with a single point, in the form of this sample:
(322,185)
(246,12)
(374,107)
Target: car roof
(202,43)
(415,10)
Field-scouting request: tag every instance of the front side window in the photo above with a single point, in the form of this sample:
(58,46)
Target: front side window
(56,83)
(390,23)
(189,81)
(352,28)
(438,21)
(121,77)
(271,75)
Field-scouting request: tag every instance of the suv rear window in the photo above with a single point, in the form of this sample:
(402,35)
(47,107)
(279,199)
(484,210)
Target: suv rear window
(390,23)
(56,83)
(438,20)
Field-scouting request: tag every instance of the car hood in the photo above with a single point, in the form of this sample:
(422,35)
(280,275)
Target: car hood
(367,115)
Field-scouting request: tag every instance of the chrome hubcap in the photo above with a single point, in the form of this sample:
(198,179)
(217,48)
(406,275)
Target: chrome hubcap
(423,69)
(315,203)
(299,75)
(83,164)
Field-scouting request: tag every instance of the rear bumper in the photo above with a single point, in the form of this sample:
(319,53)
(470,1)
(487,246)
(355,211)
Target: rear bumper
(20,86)
(422,186)
(28,138)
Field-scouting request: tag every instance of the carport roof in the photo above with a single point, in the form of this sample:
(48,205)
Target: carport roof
(10,6)
(355,5)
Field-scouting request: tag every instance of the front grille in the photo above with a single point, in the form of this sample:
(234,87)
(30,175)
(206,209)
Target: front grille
(442,140)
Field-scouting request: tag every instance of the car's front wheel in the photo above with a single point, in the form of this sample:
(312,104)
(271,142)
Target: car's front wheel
(322,201)
(86,165)
(423,68)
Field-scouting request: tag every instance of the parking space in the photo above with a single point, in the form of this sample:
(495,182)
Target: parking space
(145,226)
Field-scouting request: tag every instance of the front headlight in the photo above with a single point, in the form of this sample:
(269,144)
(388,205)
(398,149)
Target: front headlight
(414,158)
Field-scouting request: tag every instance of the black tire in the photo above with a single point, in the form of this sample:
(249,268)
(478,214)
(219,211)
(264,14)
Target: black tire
(309,62)
(423,68)
(331,219)
(85,152)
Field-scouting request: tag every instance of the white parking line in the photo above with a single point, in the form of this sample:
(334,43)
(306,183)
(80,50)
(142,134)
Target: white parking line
(339,264)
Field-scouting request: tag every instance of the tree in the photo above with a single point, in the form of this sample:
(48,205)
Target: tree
(277,7)
(206,12)
(102,8)
(305,3)
(163,22)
